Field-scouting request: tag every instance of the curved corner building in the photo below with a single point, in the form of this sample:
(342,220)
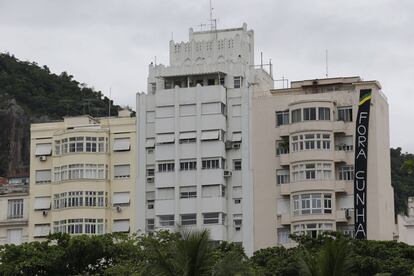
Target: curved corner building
(303,160)
(82,176)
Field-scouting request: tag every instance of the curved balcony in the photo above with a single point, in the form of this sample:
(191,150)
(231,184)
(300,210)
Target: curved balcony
(339,186)
(308,155)
(312,218)
(310,126)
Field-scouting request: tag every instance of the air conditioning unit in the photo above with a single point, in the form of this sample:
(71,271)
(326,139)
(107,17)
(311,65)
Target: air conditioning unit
(227,173)
(45,213)
(228,145)
(150,179)
(43,158)
(118,209)
(236,145)
(348,213)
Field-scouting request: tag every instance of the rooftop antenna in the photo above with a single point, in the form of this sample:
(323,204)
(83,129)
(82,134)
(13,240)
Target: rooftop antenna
(109,102)
(213,22)
(326,62)
(172,35)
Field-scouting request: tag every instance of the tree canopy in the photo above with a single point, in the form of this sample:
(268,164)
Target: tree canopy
(193,254)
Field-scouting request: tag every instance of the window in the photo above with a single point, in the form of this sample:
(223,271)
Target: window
(282,147)
(307,204)
(212,108)
(188,110)
(282,118)
(75,226)
(209,135)
(150,200)
(346,172)
(211,218)
(91,144)
(166,220)
(236,110)
(237,221)
(188,137)
(94,226)
(282,176)
(311,171)
(43,149)
(164,112)
(188,165)
(150,143)
(76,144)
(166,166)
(309,114)
(120,198)
(75,171)
(296,115)
(41,230)
(165,138)
(153,87)
(237,164)
(327,203)
(211,191)
(75,199)
(150,171)
(207,164)
(42,203)
(57,147)
(14,208)
(14,236)
(345,113)
(120,225)
(283,235)
(122,144)
(237,82)
(188,192)
(121,171)
(312,229)
(324,113)
(165,193)
(311,141)
(150,225)
(43,176)
(189,219)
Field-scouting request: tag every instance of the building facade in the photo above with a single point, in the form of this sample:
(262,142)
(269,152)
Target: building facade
(194,137)
(405,224)
(303,161)
(14,211)
(83,176)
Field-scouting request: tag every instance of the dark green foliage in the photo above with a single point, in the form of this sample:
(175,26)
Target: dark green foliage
(42,93)
(402,178)
(165,253)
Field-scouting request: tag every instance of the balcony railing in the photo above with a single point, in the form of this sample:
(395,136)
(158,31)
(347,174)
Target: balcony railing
(344,147)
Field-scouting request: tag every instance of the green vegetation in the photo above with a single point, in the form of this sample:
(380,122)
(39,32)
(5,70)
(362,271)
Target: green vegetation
(191,254)
(402,178)
(42,93)
(30,93)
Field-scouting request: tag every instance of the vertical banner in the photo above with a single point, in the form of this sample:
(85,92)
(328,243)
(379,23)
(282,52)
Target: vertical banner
(361,158)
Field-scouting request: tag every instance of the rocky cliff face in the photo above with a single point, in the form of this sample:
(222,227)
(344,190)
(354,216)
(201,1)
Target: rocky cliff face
(14,139)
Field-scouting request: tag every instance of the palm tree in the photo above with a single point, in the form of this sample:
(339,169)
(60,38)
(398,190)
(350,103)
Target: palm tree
(332,260)
(195,255)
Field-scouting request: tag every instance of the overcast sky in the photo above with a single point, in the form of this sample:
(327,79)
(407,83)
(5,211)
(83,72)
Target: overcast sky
(109,44)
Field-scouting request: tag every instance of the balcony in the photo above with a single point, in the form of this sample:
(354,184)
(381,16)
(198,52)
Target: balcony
(285,219)
(14,222)
(285,189)
(213,205)
(341,156)
(343,127)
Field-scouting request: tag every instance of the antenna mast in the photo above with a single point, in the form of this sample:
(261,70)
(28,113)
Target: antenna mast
(326,62)
(213,22)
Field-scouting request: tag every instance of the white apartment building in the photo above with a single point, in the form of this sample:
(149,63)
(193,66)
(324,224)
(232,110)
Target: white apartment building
(194,137)
(82,176)
(14,212)
(405,224)
(303,160)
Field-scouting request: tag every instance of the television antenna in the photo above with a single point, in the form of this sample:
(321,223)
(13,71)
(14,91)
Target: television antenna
(326,63)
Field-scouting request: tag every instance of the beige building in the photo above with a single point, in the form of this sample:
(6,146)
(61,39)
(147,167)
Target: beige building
(83,176)
(303,161)
(14,200)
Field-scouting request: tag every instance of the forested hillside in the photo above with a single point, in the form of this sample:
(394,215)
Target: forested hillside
(30,93)
(402,177)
